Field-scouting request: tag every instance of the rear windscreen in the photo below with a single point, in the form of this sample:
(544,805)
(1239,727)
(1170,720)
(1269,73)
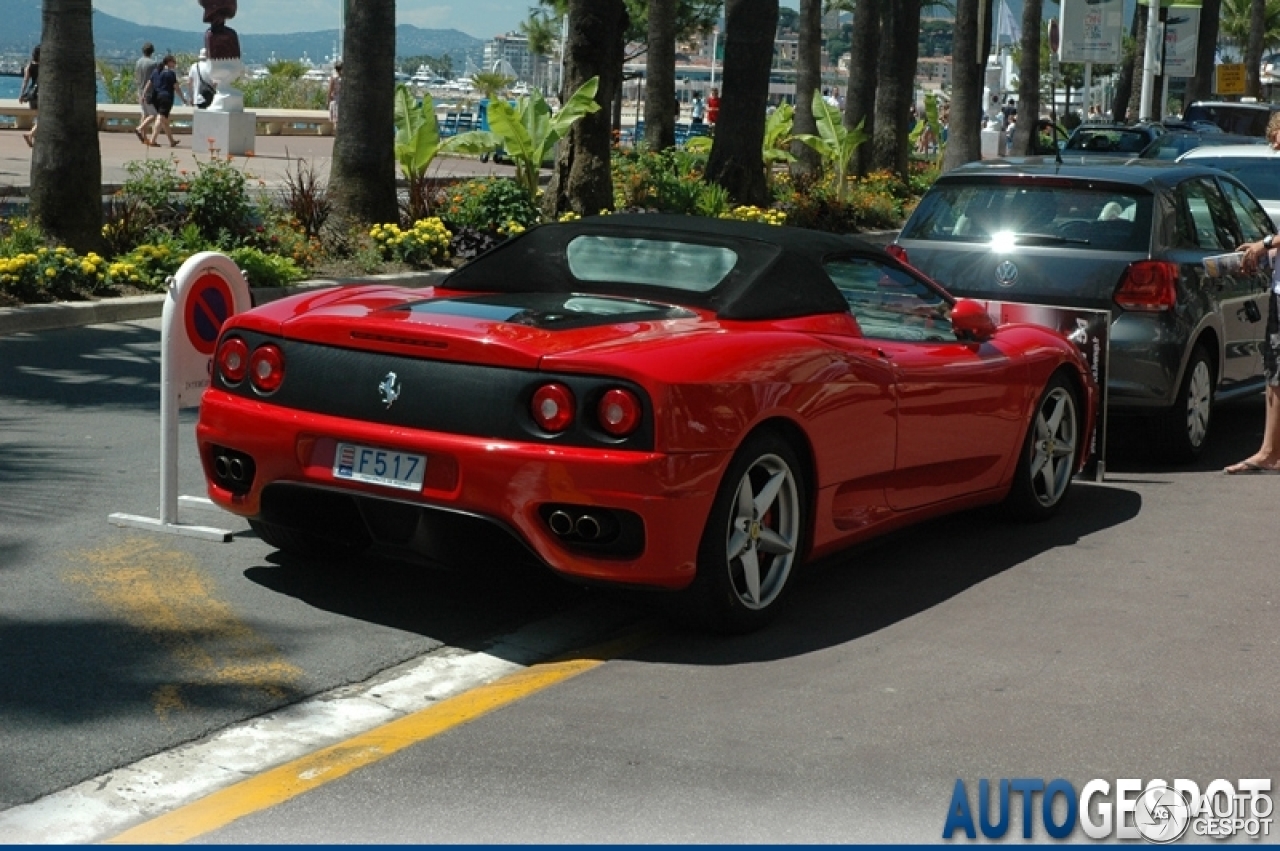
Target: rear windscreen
(1085,217)
(1260,174)
(1248,121)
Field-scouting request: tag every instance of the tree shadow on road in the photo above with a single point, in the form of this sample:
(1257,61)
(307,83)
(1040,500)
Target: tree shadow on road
(101,365)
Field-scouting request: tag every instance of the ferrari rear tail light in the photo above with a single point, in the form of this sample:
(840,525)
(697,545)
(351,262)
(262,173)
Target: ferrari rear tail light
(233,360)
(1148,285)
(266,368)
(552,407)
(619,412)
(897,252)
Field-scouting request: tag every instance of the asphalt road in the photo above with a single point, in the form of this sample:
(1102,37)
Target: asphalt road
(1131,636)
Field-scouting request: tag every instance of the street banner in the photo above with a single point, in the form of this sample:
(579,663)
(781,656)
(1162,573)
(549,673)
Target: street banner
(1092,30)
(1181,32)
(1090,330)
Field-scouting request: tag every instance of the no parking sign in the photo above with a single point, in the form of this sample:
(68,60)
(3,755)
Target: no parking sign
(205,292)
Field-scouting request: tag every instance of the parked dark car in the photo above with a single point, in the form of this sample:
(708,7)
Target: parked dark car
(1112,140)
(1124,237)
(1246,119)
(1174,144)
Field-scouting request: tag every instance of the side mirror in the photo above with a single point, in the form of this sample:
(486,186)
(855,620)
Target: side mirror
(970,321)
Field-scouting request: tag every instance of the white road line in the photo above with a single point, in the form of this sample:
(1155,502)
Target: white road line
(104,806)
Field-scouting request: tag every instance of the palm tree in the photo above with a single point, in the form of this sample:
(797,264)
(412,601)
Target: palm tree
(1200,87)
(969,59)
(543,30)
(1024,134)
(492,83)
(1253,55)
(363,174)
(808,80)
(68,210)
(737,159)
(660,76)
(896,70)
(860,93)
(581,181)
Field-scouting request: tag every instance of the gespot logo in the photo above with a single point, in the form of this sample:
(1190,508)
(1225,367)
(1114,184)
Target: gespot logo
(1158,812)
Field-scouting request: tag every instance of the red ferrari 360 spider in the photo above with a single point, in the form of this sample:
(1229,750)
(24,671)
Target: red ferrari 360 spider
(668,402)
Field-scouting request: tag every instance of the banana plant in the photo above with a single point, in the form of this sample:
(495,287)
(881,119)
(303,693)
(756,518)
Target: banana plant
(835,143)
(417,143)
(777,139)
(528,131)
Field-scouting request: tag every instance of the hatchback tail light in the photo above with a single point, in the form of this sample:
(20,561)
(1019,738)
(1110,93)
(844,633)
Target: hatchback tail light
(1148,285)
(233,360)
(552,407)
(266,368)
(619,412)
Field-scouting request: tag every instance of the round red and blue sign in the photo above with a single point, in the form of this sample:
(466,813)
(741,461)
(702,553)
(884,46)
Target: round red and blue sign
(209,303)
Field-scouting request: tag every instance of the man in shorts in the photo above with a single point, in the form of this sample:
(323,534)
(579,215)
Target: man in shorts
(141,74)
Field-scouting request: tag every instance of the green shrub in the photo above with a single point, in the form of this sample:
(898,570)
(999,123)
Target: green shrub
(218,201)
(51,274)
(488,203)
(265,270)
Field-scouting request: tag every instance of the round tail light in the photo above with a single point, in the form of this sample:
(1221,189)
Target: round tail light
(552,407)
(233,360)
(266,368)
(619,412)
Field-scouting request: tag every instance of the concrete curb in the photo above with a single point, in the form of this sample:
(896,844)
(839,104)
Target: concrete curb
(72,314)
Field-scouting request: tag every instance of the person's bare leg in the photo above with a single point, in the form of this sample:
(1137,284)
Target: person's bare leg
(1268,455)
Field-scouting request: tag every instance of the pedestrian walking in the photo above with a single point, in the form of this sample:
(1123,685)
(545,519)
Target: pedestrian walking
(713,107)
(30,93)
(335,91)
(162,90)
(200,90)
(698,109)
(141,74)
(1267,458)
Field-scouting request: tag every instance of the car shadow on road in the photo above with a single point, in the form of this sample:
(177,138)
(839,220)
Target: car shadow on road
(873,586)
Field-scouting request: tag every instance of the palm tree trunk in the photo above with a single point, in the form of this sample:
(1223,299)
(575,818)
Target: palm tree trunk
(363,174)
(897,71)
(66,165)
(581,182)
(808,162)
(1200,87)
(736,161)
(964,132)
(1024,133)
(860,94)
(660,76)
(1253,54)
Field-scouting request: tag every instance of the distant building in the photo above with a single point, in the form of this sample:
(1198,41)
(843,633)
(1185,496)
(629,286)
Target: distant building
(513,49)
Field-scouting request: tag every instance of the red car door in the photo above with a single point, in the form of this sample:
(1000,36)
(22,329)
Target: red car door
(958,404)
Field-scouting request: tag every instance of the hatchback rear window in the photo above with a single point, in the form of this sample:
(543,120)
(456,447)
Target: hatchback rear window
(1087,217)
(1245,119)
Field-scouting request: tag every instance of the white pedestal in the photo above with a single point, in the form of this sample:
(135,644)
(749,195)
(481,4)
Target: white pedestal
(229,133)
(992,144)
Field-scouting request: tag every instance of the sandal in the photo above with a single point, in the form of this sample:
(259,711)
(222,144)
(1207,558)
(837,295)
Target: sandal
(1249,468)
(173,143)
(137,131)
(26,137)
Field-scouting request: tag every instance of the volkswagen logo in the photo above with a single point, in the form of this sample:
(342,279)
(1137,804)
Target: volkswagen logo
(389,389)
(1006,273)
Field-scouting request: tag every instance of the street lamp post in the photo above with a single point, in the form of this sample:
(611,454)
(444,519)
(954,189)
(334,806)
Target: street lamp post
(715,45)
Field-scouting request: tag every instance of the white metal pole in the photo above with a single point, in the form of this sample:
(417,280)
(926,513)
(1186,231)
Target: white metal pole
(715,44)
(168,418)
(1086,103)
(1150,58)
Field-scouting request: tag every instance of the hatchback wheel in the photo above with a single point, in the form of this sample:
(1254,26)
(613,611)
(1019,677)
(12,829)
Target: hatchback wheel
(1184,428)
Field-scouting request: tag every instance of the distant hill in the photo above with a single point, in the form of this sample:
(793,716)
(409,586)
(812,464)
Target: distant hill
(116,38)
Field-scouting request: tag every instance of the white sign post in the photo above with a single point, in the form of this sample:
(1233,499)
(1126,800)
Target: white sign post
(202,295)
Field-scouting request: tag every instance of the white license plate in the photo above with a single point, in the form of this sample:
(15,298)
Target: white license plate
(356,463)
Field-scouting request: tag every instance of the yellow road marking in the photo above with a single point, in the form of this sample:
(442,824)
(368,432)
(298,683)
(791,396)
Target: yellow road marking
(163,594)
(287,781)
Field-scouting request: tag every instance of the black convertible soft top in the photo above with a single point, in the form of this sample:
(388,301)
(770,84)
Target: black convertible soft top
(778,273)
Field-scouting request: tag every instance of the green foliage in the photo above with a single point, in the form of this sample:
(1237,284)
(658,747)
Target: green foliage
(668,181)
(306,197)
(117,83)
(424,245)
(416,146)
(281,91)
(218,200)
(154,183)
(488,203)
(529,131)
(777,140)
(835,143)
(265,270)
(749,213)
(876,202)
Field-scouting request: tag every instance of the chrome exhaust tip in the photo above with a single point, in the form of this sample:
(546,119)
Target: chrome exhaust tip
(561,523)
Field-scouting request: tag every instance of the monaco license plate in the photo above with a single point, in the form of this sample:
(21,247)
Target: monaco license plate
(356,463)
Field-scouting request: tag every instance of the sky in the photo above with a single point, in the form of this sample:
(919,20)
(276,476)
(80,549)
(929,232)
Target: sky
(479,18)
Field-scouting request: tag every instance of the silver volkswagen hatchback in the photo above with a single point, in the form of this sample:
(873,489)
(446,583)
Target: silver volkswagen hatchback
(1127,237)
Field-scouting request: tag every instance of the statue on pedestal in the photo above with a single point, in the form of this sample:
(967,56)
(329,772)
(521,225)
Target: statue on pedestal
(223,66)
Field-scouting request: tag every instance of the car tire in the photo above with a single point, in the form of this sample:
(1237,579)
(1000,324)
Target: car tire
(754,539)
(1183,430)
(1047,460)
(307,544)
